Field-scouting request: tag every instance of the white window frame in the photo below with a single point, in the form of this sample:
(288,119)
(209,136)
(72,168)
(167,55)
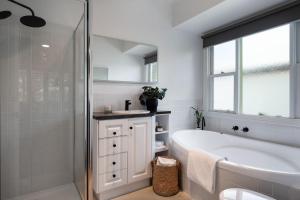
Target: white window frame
(293,71)
(294,68)
(224,74)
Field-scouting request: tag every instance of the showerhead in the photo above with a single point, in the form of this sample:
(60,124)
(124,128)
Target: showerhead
(5,14)
(30,20)
(33,21)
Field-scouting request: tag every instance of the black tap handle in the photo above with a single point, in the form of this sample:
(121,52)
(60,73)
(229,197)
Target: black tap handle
(235,128)
(245,129)
(128,102)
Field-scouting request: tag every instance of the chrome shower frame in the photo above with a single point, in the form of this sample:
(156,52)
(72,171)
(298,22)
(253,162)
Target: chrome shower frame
(88,102)
(88,112)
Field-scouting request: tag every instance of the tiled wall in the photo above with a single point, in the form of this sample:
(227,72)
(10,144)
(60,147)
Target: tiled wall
(36,90)
(282,131)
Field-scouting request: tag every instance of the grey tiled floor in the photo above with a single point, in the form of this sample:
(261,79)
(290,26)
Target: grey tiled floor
(65,192)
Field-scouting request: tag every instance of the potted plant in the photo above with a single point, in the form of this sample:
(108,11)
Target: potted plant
(198,114)
(150,97)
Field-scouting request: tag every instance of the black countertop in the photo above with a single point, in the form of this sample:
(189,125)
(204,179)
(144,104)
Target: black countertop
(104,116)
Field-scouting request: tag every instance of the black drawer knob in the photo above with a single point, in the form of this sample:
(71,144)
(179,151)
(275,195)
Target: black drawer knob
(130,127)
(114,176)
(115,133)
(114,145)
(114,163)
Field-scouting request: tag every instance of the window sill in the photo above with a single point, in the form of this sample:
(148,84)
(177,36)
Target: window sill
(278,121)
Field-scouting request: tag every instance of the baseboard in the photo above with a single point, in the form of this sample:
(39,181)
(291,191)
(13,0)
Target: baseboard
(113,193)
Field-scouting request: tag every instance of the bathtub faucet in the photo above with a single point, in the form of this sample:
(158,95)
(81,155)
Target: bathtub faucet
(127,104)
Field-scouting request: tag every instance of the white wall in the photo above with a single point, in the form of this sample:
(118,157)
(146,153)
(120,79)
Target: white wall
(179,55)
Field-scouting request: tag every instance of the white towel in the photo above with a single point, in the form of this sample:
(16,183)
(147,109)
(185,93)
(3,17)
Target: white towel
(201,168)
(166,162)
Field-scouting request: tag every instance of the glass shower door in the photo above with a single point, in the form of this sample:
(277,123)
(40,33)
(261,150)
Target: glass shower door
(43,100)
(80,147)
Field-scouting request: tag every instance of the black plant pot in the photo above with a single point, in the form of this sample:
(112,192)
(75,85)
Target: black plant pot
(152,105)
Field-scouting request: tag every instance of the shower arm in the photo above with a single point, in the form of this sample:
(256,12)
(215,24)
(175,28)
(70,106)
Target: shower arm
(22,5)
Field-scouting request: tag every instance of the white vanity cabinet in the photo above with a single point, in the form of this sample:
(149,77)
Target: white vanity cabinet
(122,152)
(140,151)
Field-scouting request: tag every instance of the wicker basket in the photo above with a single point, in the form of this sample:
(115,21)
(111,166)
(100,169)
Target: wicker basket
(165,179)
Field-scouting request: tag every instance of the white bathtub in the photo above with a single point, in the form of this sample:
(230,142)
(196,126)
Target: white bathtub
(262,160)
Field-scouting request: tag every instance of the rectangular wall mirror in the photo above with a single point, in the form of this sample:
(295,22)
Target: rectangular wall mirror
(116,60)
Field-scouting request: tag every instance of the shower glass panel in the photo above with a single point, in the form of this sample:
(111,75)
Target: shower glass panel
(42,101)
(79,142)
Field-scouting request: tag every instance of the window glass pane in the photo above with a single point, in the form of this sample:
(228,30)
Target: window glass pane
(265,73)
(266,93)
(267,50)
(224,57)
(154,72)
(151,72)
(224,93)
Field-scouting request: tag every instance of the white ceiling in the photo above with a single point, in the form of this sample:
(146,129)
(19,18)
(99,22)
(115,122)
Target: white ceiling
(223,13)
(186,9)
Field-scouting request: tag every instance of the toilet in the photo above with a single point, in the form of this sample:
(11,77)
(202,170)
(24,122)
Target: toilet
(242,194)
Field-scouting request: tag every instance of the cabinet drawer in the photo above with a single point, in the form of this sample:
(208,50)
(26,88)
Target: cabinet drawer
(115,145)
(112,163)
(113,128)
(111,180)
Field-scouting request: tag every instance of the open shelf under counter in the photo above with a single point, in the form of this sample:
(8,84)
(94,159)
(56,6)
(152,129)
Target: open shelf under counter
(157,150)
(161,132)
(161,120)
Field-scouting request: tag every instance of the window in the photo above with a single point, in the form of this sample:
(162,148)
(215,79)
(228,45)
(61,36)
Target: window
(224,56)
(151,72)
(265,72)
(224,93)
(151,67)
(251,75)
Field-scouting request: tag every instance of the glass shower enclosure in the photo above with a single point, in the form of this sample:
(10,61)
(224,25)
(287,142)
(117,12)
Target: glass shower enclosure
(44,102)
